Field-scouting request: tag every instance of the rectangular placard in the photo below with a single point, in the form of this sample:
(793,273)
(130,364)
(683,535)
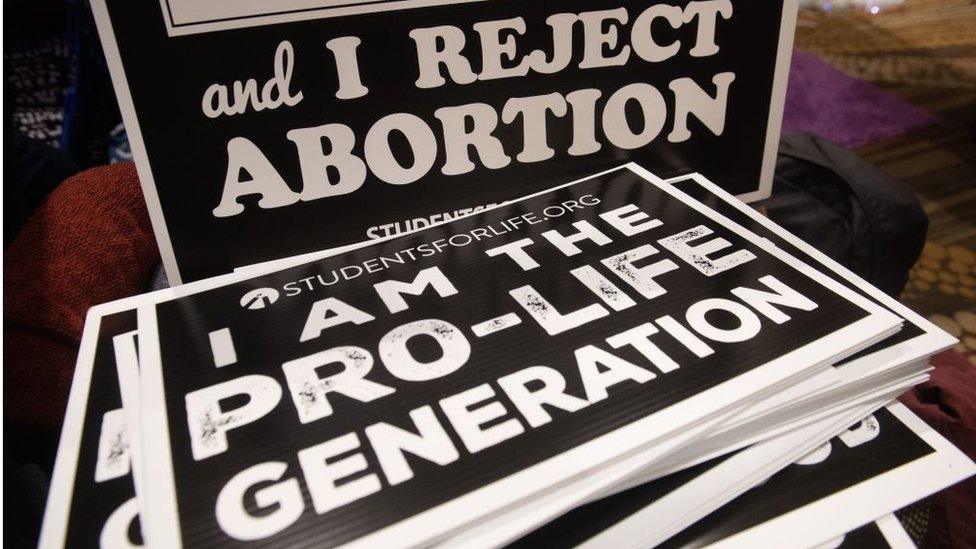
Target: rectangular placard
(266,130)
(640,310)
(881,464)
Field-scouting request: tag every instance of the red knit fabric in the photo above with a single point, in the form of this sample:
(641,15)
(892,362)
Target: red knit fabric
(947,402)
(90,242)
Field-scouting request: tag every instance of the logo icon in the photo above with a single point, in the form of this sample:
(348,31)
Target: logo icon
(260,298)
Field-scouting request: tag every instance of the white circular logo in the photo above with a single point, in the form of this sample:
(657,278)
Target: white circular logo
(260,298)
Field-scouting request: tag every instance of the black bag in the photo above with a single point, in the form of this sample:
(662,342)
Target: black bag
(848,209)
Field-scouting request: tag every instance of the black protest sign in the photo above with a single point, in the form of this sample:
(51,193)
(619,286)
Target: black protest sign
(880,444)
(264,135)
(92,501)
(917,339)
(398,390)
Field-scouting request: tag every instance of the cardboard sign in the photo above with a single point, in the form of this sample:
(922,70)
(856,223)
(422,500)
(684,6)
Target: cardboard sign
(918,337)
(885,364)
(92,502)
(881,464)
(390,393)
(268,130)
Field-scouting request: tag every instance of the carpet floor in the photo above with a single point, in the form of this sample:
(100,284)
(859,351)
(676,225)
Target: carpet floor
(924,53)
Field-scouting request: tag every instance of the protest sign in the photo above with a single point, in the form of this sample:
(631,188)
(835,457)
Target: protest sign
(893,363)
(265,131)
(876,375)
(917,338)
(405,388)
(883,463)
(92,501)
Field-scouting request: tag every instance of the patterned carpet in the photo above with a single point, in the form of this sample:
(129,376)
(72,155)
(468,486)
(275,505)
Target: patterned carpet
(37,73)
(924,52)
(943,284)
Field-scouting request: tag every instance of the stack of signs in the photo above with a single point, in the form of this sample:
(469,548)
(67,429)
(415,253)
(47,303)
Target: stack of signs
(619,343)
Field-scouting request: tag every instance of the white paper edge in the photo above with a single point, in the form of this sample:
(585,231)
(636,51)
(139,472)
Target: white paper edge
(55,523)
(892,490)
(131,122)
(777,102)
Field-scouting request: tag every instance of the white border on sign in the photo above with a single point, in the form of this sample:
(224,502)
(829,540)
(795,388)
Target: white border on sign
(217,15)
(57,511)
(55,524)
(932,341)
(128,374)
(827,517)
(442,519)
(777,102)
(164,528)
(143,163)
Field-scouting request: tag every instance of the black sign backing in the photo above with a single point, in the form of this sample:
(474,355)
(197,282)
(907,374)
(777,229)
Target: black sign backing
(882,444)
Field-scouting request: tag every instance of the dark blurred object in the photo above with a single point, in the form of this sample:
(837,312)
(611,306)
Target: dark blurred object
(848,209)
(91,112)
(32,169)
(57,82)
(60,112)
(36,77)
(37,69)
(25,488)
